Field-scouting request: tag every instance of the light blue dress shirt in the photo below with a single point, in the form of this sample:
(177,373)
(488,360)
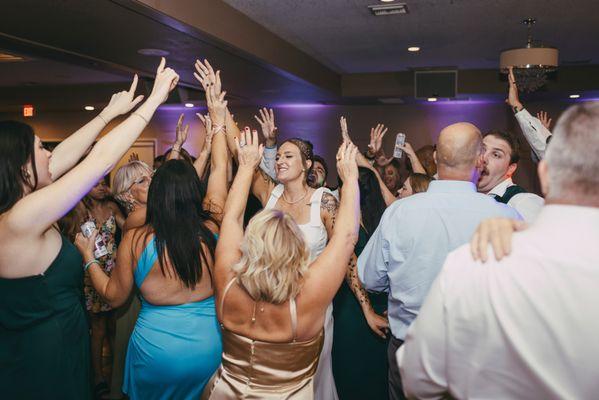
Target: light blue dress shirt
(408,249)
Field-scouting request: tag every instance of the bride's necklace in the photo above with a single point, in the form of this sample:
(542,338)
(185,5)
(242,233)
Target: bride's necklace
(296,201)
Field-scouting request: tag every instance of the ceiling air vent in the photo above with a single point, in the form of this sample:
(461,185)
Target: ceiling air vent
(388,9)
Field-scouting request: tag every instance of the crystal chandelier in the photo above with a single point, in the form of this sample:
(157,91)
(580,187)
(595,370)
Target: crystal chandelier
(531,63)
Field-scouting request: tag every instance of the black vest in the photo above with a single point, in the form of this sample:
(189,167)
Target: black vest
(509,193)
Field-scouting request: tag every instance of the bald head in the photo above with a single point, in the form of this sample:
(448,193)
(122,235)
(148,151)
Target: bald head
(458,149)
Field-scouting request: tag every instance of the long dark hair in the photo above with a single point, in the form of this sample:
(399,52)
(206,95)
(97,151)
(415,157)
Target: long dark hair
(17,142)
(372,203)
(178,220)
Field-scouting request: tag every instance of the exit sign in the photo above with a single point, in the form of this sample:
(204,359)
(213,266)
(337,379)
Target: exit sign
(28,110)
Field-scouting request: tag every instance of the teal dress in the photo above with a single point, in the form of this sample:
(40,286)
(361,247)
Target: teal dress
(44,334)
(174,350)
(359,356)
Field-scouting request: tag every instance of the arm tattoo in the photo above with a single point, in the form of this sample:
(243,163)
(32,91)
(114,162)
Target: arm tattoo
(330,205)
(352,279)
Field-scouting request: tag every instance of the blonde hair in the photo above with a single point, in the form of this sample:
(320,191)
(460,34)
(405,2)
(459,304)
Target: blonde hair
(125,177)
(275,257)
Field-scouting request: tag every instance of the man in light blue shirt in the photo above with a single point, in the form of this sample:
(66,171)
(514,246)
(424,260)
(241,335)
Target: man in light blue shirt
(407,250)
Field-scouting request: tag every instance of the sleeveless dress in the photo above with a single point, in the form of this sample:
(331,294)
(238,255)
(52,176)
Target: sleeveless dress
(44,335)
(316,236)
(253,369)
(174,349)
(359,356)
(93,301)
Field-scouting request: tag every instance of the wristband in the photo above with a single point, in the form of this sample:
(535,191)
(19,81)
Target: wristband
(85,268)
(102,118)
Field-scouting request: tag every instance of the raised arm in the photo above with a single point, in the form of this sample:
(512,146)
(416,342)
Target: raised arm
(70,150)
(262,184)
(180,138)
(201,162)
(231,232)
(329,269)
(269,131)
(534,131)
(216,193)
(37,211)
(416,164)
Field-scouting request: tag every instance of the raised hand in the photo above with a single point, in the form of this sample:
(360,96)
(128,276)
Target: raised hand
(513,99)
(210,132)
(344,131)
(249,149)
(267,123)
(166,80)
(545,120)
(181,133)
(217,106)
(376,138)
(409,150)
(122,102)
(347,168)
(133,157)
(206,76)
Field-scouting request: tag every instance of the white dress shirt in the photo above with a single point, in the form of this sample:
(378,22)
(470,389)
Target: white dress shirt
(535,133)
(408,248)
(526,327)
(528,205)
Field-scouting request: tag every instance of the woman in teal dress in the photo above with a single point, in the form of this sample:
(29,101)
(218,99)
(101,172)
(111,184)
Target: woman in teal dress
(359,355)
(176,344)
(44,339)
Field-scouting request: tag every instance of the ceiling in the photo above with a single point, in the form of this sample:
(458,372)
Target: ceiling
(278,52)
(468,34)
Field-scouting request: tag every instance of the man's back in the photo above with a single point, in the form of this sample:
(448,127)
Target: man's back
(525,327)
(415,235)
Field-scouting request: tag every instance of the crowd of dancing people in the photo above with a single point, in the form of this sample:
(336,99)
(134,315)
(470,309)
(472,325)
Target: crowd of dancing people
(243,273)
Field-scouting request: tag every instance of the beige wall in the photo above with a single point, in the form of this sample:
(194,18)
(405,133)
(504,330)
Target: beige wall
(319,124)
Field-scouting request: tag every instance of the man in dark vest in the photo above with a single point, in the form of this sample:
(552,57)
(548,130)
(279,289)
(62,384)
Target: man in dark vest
(501,161)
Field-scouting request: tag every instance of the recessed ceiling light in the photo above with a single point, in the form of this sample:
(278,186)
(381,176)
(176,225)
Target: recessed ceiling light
(153,52)
(89,108)
(189,105)
(414,48)
(387,1)
(574,96)
(431,99)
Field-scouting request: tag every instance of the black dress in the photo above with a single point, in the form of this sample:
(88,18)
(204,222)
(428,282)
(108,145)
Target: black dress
(359,356)
(44,334)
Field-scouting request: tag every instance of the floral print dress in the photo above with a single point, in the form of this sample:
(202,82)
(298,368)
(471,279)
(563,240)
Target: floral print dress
(93,301)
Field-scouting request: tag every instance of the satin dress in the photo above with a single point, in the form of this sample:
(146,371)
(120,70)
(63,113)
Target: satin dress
(316,236)
(253,369)
(174,349)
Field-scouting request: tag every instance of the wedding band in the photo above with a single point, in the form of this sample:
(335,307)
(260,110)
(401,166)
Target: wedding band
(241,144)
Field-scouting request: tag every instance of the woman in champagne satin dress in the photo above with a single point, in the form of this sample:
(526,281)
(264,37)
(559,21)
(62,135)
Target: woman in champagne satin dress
(271,298)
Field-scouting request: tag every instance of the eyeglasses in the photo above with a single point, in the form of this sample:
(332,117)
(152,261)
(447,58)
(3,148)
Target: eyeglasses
(145,179)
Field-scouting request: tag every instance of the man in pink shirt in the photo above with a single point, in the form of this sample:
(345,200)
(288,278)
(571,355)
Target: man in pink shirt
(524,327)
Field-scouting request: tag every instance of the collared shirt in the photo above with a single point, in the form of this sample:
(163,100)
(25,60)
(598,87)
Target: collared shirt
(525,327)
(528,205)
(407,250)
(535,133)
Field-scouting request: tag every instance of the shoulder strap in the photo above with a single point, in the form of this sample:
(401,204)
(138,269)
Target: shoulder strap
(293,313)
(146,261)
(274,196)
(510,192)
(315,202)
(222,300)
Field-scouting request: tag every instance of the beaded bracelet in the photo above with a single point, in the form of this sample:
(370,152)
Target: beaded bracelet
(90,263)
